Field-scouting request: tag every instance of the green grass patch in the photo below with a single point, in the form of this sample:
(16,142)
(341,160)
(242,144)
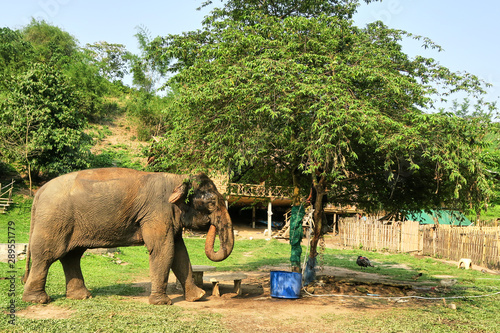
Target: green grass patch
(470,316)
(20,214)
(110,279)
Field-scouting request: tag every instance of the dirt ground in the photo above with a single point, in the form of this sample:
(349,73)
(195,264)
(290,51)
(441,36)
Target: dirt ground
(256,311)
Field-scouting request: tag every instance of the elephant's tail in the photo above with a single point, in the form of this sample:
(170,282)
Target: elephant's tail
(28,250)
(27,272)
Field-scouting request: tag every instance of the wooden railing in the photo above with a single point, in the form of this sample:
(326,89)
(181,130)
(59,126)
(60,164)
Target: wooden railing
(253,190)
(6,196)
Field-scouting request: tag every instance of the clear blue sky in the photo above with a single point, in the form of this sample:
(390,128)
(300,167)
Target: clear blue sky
(468,31)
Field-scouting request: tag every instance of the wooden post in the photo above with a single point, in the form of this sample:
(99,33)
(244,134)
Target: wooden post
(448,246)
(461,246)
(400,245)
(253,217)
(498,245)
(483,257)
(420,239)
(434,242)
(269,217)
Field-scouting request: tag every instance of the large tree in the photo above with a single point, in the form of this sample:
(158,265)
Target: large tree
(289,90)
(41,128)
(111,59)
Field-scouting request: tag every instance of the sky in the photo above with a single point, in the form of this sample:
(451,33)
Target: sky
(468,31)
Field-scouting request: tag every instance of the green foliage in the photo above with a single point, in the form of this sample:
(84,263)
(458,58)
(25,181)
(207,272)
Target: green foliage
(481,114)
(15,53)
(114,157)
(145,72)
(53,46)
(92,88)
(109,58)
(240,10)
(41,128)
(150,111)
(51,88)
(280,93)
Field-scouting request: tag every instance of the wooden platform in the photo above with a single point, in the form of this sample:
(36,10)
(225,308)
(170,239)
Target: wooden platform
(198,271)
(216,278)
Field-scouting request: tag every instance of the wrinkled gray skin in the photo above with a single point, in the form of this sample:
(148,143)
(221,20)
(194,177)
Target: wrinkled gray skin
(115,207)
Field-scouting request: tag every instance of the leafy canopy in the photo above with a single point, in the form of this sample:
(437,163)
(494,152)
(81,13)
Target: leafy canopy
(290,92)
(41,128)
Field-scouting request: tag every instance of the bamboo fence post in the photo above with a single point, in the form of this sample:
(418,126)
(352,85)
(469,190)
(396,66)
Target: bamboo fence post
(357,232)
(483,257)
(434,242)
(498,247)
(400,237)
(461,246)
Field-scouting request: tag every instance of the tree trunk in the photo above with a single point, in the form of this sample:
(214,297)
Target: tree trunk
(318,214)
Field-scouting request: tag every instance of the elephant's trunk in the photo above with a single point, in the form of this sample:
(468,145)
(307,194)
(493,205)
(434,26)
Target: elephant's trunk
(221,225)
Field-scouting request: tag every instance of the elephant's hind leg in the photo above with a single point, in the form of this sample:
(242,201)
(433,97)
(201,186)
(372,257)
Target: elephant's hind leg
(34,289)
(75,286)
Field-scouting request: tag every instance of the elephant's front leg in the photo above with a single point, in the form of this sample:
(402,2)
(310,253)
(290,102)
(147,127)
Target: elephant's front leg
(161,256)
(182,269)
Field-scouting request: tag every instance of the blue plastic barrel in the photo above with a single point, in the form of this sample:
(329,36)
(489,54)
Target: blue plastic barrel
(285,284)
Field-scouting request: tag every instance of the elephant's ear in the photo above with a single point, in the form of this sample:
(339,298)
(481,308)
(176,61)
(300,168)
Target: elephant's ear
(178,193)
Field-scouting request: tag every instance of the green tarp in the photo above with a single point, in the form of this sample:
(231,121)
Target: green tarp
(296,233)
(449,217)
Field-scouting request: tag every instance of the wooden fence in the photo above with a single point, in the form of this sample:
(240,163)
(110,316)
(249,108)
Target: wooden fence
(373,235)
(480,244)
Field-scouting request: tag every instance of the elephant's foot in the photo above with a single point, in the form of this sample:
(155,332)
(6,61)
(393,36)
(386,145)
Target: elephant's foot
(194,294)
(81,293)
(159,299)
(36,297)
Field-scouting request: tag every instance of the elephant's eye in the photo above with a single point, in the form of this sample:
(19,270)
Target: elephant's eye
(212,204)
(206,201)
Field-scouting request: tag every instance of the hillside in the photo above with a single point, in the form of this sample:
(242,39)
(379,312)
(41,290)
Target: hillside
(116,140)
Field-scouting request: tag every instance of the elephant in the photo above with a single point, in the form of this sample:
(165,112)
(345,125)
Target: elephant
(116,207)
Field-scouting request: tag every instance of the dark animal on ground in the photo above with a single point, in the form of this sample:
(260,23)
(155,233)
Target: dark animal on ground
(363,262)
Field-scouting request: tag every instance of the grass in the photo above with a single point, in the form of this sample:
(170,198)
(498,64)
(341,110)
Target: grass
(110,310)
(470,316)
(111,283)
(19,213)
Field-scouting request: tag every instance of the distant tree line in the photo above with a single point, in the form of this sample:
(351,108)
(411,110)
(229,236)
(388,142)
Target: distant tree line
(51,88)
